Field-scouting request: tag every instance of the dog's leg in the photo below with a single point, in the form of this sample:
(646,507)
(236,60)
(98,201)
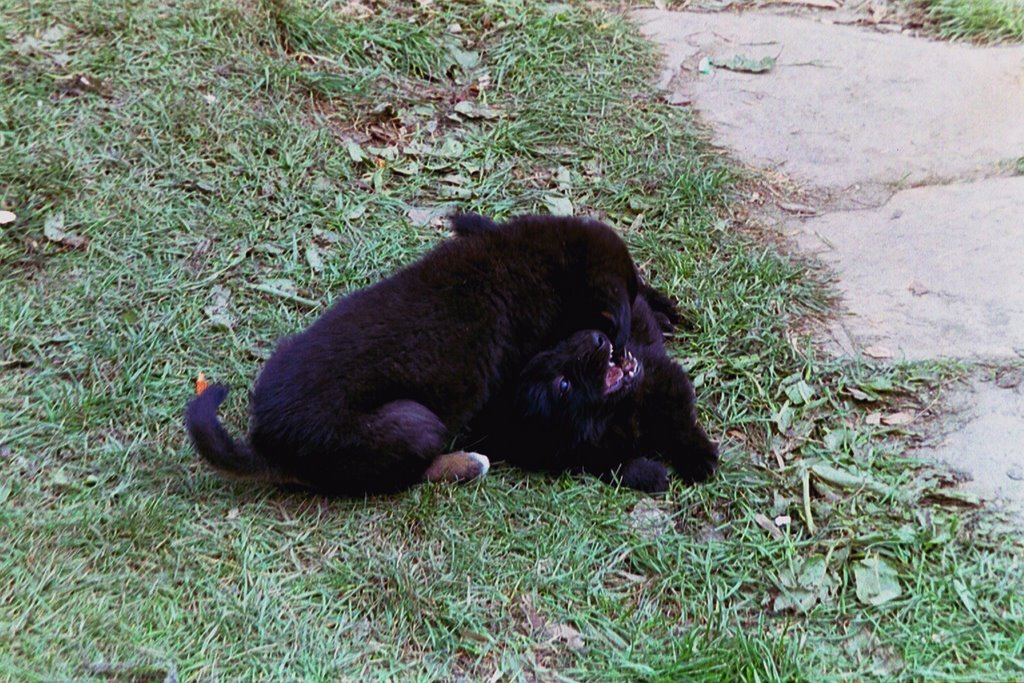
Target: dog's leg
(640,474)
(457,467)
(669,426)
(393,447)
(409,438)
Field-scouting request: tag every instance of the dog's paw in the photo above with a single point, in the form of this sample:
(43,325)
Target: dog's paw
(457,467)
(698,464)
(645,475)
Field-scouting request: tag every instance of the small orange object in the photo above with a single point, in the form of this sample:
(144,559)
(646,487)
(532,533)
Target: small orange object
(201,384)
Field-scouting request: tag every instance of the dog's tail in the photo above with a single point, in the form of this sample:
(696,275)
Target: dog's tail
(232,458)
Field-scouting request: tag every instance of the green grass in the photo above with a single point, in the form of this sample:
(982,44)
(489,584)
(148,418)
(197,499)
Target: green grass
(979,20)
(218,161)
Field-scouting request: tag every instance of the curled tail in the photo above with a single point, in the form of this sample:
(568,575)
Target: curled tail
(233,458)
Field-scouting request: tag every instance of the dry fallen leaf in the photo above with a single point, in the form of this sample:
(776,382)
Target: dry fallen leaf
(313,258)
(1009,378)
(879,352)
(768,525)
(648,520)
(423,216)
(900,418)
(83,84)
(744,64)
(219,312)
(7,217)
(53,229)
(873,419)
(565,634)
(533,617)
(876,580)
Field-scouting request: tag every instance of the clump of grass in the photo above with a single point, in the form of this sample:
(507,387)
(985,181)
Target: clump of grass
(980,20)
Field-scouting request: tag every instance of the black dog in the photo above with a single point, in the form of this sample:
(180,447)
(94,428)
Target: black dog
(576,408)
(365,400)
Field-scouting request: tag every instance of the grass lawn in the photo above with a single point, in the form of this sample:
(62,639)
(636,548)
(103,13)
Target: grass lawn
(193,180)
(980,20)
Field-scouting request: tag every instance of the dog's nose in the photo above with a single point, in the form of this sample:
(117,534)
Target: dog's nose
(599,340)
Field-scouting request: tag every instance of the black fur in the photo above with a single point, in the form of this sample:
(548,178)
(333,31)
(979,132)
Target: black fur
(366,397)
(666,314)
(553,426)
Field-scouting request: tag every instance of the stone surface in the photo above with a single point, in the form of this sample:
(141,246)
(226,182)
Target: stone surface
(935,272)
(987,442)
(844,104)
(889,128)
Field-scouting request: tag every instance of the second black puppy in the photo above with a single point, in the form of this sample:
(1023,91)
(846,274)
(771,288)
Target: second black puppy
(576,408)
(365,400)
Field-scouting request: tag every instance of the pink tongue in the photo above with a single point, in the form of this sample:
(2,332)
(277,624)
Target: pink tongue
(613,376)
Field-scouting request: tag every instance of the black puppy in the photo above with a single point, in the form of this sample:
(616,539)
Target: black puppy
(576,408)
(365,400)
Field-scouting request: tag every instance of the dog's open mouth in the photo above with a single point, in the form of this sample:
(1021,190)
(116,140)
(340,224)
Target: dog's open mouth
(621,374)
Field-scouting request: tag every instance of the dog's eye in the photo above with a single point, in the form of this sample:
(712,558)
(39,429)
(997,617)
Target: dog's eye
(564,386)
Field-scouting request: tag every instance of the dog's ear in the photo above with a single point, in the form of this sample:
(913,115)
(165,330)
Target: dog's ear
(612,280)
(465,224)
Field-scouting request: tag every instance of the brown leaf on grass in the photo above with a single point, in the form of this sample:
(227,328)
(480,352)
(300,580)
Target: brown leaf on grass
(217,312)
(538,625)
(558,205)
(53,230)
(313,258)
(327,238)
(533,618)
(873,419)
(896,419)
(858,395)
(768,525)
(430,215)
(82,84)
(566,634)
(876,580)
(475,110)
(55,33)
(648,520)
(47,39)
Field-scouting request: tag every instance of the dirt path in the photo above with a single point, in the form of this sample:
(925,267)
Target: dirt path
(909,147)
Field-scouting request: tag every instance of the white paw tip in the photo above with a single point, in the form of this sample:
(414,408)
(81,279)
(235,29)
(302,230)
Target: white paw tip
(485,462)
